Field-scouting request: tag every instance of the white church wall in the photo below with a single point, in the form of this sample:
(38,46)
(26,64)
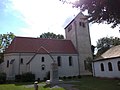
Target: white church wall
(63,70)
(115,73)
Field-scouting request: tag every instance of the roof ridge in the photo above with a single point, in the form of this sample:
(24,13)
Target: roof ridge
(41,38)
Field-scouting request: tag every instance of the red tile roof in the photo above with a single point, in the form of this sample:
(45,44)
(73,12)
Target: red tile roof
(33,45)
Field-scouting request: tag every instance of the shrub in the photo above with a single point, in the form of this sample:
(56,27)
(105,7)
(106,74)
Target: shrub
(64,77)
(18,78)
(79,76)
(74,77)
(48,75)
(2,77)
(70,77)
(28,77)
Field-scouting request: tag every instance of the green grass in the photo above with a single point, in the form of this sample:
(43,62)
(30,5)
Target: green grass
(22,87)
(86,83)
(90,83)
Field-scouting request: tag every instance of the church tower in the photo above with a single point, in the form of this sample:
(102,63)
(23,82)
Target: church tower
(78,32)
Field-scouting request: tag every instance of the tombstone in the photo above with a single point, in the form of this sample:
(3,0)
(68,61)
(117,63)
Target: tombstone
(54,74)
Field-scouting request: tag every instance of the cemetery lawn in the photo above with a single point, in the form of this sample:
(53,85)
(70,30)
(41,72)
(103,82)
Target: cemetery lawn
(22,87)
(85,83)
(92,83)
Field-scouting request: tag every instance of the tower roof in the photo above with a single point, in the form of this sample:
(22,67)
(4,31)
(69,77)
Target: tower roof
(80,15)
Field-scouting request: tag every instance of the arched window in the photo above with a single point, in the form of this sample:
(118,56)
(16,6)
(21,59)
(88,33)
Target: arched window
(69,28)
(70,61)
(102,66)
(43,67)
(59,60)
(110,66)
(7,63)
(43,59)
(118,65)
(21,61)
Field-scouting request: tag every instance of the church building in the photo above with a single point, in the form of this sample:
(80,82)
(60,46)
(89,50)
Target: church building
(26,54)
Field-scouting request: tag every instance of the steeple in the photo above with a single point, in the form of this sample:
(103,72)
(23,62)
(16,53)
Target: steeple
(78,32)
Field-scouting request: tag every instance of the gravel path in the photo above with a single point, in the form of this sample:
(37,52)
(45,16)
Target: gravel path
(66,85)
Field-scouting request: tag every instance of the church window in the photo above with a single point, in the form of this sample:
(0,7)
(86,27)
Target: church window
(59,60)
(7,63)
(21,60)
(43,67)
(83,24)
(118,65)
(43,59)
(70,61)
(80,23)
(69,28)
(110,66)
(102,66)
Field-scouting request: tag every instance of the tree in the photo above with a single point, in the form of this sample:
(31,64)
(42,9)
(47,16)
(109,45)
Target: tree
(5,40)
(51,36)
(88,64)
(105,43)
(100,11)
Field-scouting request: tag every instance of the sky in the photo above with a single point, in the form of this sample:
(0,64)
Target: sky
(31,18)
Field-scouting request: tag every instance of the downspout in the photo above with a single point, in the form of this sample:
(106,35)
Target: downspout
(77,46)
(19,63)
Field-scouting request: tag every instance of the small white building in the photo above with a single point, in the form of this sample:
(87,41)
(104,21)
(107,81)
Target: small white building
(35,55)
(108,65)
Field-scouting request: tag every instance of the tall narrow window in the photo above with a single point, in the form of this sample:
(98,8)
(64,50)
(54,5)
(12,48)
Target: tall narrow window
(69,28)
(21,60)
(102,66)
(43,67)
(59,60)
(80,23)
(7,63)
(83,24)
(70,61)
(43,59)
(118,65)
(110,66)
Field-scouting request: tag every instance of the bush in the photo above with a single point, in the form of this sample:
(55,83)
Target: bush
(70,77)
(2,77)
(64,77)
(74,77)
(28,77)
(18,78)
(48,75)
(79,76)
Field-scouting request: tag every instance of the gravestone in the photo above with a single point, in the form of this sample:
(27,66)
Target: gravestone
(54,74)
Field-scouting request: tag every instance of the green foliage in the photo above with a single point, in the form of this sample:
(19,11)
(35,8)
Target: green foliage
(89,64)
(100,10)
(105,43)
(18,78)
(25,77)
(51,36)
(5,40)
(48,75)
(2,77)
(28,77)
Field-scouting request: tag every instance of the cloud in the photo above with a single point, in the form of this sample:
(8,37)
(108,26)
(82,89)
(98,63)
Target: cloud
(43,15)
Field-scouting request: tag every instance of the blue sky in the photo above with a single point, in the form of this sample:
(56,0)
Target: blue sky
(33,17)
